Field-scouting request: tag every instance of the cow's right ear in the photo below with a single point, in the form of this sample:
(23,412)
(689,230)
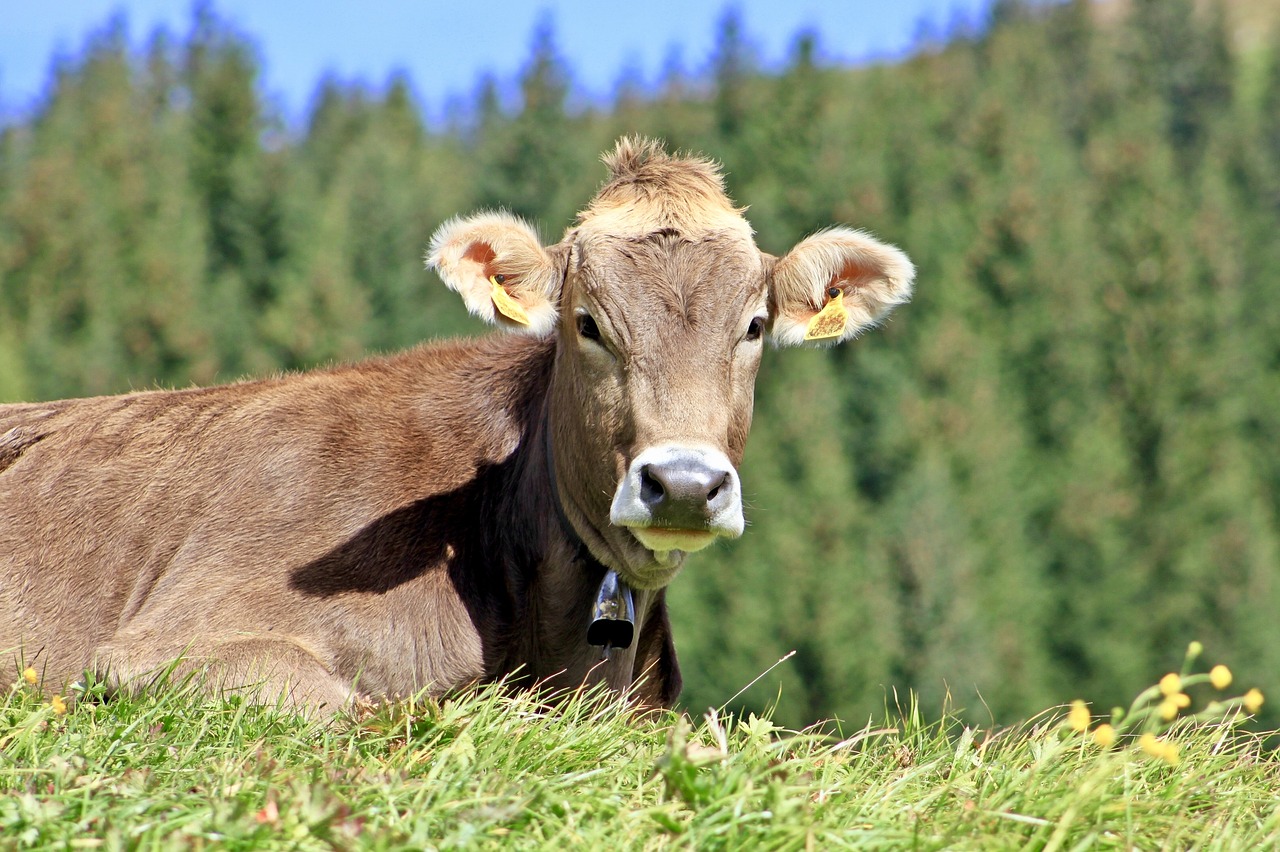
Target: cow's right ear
(498,265)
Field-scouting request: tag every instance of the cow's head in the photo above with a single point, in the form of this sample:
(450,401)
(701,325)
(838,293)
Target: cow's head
(660,302)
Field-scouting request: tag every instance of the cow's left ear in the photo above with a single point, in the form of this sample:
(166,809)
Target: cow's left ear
(835,284)
(499,267)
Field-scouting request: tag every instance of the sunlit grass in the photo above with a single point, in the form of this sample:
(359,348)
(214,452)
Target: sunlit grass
(487,769)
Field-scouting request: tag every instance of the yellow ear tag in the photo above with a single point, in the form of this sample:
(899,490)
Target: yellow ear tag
(831,320)
(506,305)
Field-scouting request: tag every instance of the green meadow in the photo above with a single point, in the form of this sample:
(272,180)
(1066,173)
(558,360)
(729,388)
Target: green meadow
(506,770)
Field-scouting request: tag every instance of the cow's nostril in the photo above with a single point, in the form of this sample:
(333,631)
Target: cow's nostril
(651,490)
(711,495)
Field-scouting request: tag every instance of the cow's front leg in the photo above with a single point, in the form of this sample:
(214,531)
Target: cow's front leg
(261,669)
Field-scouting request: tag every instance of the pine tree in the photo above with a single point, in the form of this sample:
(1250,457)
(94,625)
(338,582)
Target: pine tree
(529,165)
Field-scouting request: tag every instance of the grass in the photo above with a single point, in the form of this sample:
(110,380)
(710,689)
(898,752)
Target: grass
(174,769)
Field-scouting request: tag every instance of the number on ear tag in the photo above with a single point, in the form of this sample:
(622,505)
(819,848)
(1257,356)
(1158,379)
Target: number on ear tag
(506,305)
(831,320)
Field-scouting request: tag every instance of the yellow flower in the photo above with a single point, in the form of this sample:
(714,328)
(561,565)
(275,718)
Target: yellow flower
(1182,700)
(1078,719)
(30,675)
(59,706)
(1104,735)
(1194,650)
(1166,751)
(1220,677)
(1170,684)
(1168,709)
(1253,700)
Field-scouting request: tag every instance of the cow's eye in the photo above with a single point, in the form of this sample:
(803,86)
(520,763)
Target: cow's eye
(587,327)
(755,329)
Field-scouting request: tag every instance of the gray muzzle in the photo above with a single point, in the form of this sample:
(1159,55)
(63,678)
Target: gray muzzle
(675,487)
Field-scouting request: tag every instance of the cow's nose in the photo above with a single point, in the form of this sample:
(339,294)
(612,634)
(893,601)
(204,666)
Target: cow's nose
(683,492)
(680,488)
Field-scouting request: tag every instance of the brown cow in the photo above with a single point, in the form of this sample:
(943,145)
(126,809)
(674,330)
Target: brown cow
(454,514)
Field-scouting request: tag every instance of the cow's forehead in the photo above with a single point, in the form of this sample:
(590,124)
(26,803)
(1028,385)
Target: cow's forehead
(692,218)
(709,281)
(668,255)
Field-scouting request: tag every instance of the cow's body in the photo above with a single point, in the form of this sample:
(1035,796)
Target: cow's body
(445,516)
(388,525)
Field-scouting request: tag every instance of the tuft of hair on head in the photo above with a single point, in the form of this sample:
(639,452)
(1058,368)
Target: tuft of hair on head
(655,189)
(641,162)
(630,154)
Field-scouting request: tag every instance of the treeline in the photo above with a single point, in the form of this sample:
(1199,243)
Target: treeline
(1039,481)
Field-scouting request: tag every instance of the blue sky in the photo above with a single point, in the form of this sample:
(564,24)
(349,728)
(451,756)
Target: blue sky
(446,45)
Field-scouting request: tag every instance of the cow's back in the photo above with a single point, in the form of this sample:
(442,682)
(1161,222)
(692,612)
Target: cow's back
(166,515)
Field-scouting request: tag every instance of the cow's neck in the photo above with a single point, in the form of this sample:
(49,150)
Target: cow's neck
(613,623)
(563,579)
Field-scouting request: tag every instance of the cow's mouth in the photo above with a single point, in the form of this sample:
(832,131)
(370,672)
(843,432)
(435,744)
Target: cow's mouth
(663,539)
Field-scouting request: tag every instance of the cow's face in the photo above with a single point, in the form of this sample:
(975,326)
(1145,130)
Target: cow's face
(659,347)
(660,301)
